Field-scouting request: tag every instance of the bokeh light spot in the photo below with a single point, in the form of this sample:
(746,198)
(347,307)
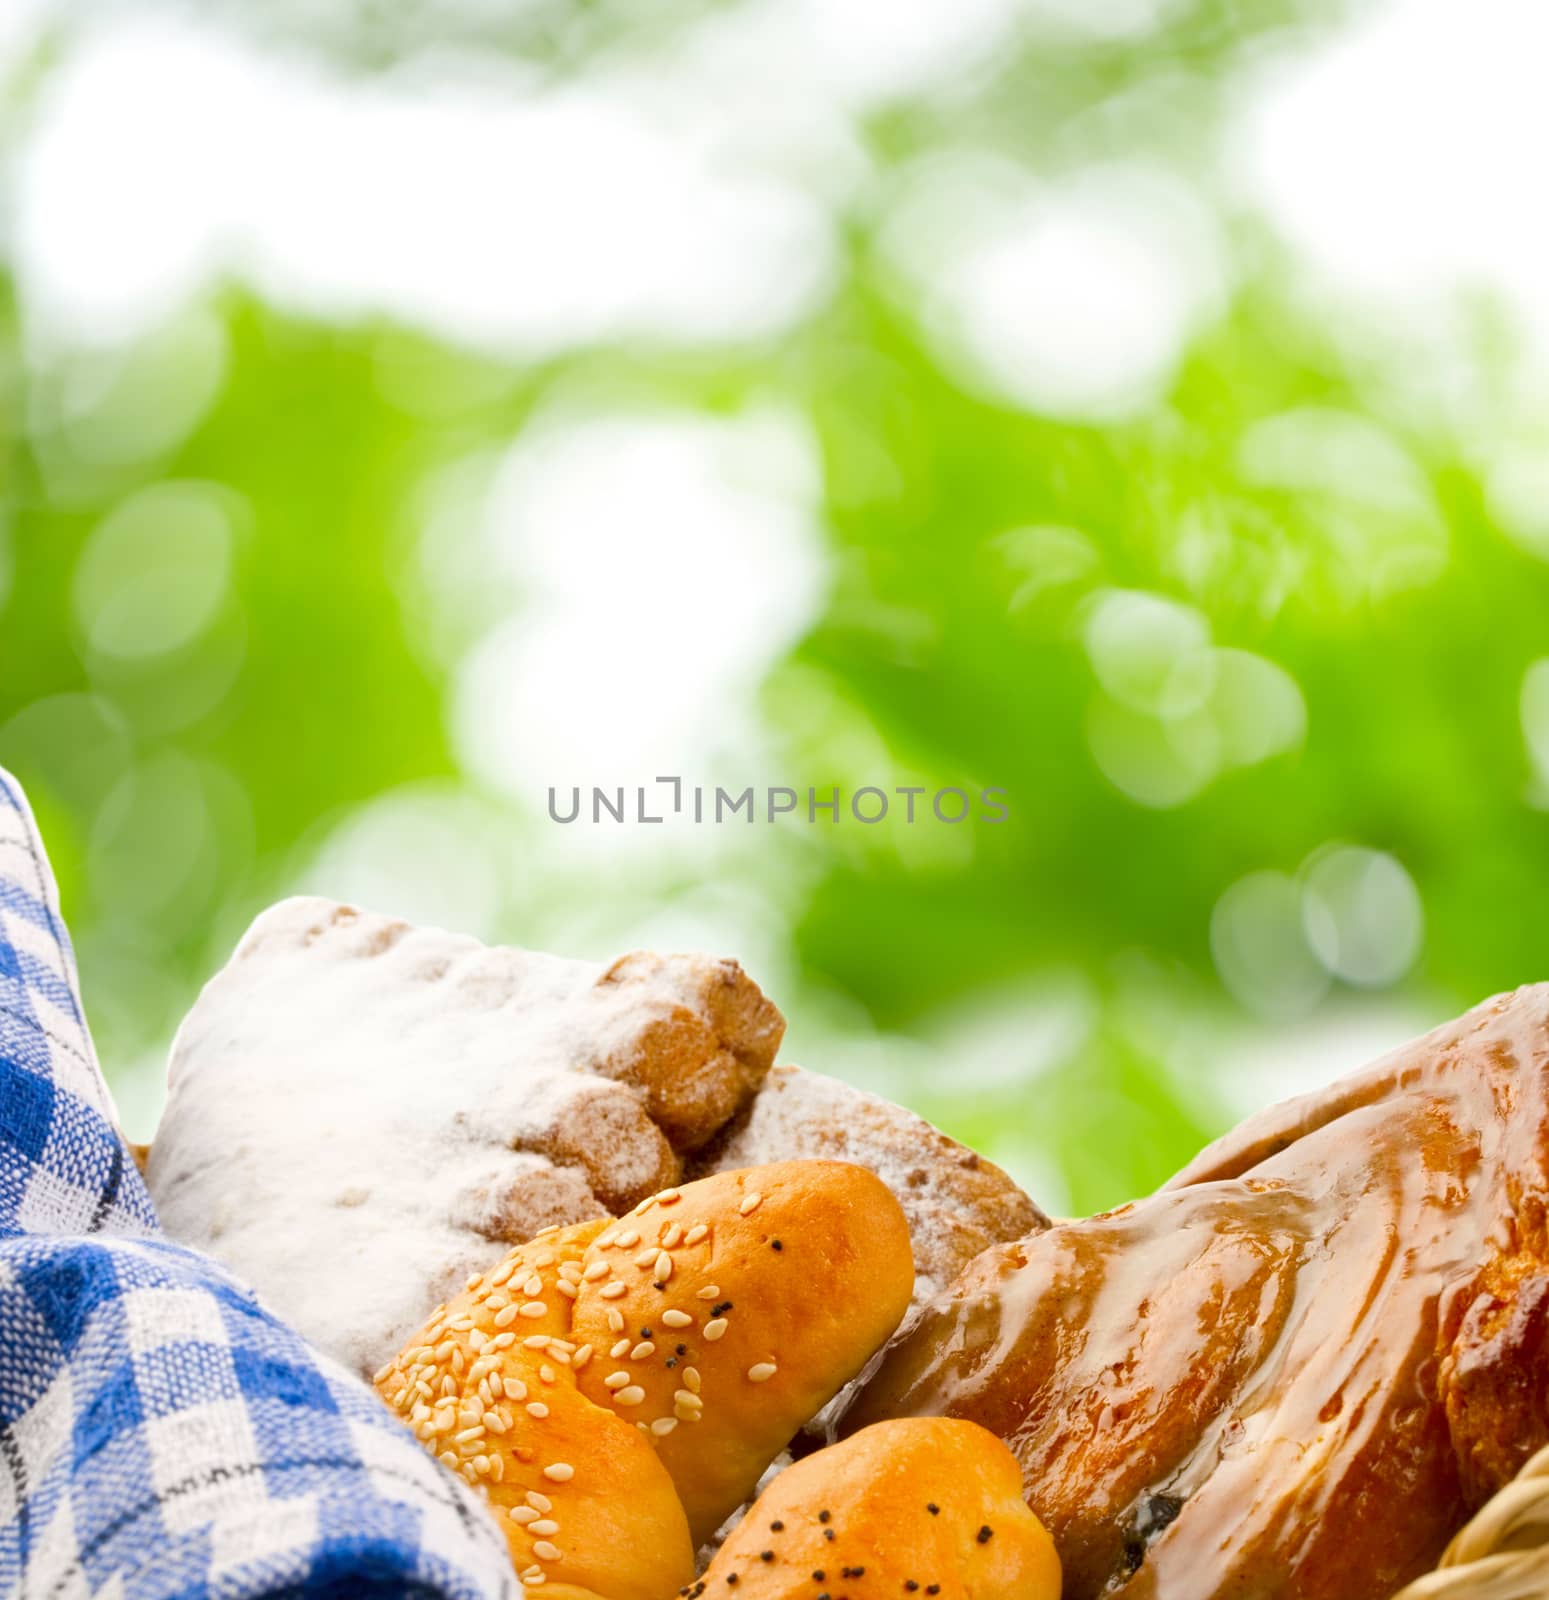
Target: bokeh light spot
(1261,949)
(1362,914)
(154,571)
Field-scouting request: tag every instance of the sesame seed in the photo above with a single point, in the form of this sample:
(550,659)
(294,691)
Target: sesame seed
(605,1242)
(469,1434)
(546,1372)
(691,1378)
(645,1205)
(581,1357)
(502,1272)
(523,1514)
(543,1233)
(539,1502)
(709,1292)
(613,1290)
(558,1472)
(615,1380)
(762,1372)
(669,1197)
(598,1269)
(536,1408)
(536,1341)
(628,1239)
(561,1346)
(646,1258)
(620,1350)
(673,1237)
(567,1289)
(632,1396)
(716,1329)
(497,1385)
(933,1508)
(502,1341)
(642,1350)
(663,1266)
(473,1283)
(543,1529)
(533,1287)
(985,1534)
(383,1373)
(533,1309)
(571,1270)
(686,1397)
(696,1233)
(663,1426)
(677,1319)
(545,1551)
(615,1320)
(480,1465)
(505,1316)
(495,1422)
(750,1203)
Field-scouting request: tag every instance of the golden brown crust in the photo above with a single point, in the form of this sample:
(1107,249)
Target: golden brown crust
(725,1314)
(489,1387)
(670,1355)
(928,1507)
(956,1202)
(1340,1310)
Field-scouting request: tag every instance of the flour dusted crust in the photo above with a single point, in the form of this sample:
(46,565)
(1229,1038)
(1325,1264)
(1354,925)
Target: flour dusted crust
(361,1113)
(955,1201)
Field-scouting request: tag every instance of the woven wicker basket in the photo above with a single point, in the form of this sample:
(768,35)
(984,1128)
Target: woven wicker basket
(1503,1554)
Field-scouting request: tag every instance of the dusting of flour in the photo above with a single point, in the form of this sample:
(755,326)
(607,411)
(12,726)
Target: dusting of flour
(362,1113)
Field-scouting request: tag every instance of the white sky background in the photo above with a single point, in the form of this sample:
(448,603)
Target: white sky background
(697,204)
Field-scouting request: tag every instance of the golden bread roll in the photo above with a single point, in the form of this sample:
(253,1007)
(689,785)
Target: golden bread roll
(926,1506)
(724,1314)
(489,1387)
(638,1375)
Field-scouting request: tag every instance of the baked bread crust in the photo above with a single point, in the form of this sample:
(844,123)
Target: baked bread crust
(922,1506)
(956,1202)
(614,1366)
(491,1390)
(360,1112)
(1296,1370)
(748,1299)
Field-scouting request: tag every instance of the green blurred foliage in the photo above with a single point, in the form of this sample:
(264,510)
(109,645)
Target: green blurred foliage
(971,542)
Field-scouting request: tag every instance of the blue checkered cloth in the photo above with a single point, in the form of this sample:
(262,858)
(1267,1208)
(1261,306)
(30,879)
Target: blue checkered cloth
(161,1433)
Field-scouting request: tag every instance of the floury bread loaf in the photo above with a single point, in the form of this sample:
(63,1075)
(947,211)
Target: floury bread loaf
(362,1113)
(956,1202)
